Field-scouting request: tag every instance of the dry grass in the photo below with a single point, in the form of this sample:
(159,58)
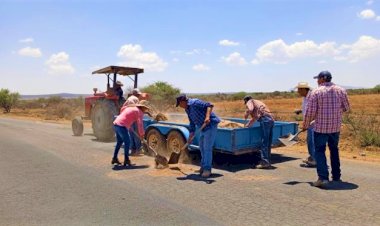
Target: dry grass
(362,106)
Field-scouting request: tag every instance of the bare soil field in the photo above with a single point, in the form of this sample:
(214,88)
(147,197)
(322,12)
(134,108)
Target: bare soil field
(362,107)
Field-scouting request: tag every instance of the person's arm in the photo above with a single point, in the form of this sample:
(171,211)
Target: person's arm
(310,113)
(208,113)
(345,102)
(140,125)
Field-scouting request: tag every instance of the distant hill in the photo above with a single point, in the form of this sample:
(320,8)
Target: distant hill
(63,95)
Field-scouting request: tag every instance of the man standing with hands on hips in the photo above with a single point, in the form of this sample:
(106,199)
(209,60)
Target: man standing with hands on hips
(201,116)
(326,106)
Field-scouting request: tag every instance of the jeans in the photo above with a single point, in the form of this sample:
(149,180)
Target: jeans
(135,140)
(310,142)
(122,136)
(206,143)
(266,125)
(332,139)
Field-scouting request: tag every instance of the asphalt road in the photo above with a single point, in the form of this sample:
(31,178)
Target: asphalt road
(49,177)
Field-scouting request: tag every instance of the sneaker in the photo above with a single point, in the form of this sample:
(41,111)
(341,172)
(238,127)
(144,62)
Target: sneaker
(206,173)
(115,161)
(320,183)
(311,163)
(263,165)
(308,159)
(127,162)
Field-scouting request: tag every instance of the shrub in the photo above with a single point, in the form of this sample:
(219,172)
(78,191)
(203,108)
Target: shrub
(162,94)
(366,129)
(8,99)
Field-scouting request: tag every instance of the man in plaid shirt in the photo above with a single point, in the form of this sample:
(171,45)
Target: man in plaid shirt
(326,106)
(200,115)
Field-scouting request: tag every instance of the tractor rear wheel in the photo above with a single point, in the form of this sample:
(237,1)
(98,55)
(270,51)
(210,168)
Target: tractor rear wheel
(102,116)
(77,126)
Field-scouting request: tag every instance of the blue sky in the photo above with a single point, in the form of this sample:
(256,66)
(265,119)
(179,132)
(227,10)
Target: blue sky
(198,46)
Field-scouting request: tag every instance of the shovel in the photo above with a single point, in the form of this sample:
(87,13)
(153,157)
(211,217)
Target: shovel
(159,159)
(174,157)
(289,141)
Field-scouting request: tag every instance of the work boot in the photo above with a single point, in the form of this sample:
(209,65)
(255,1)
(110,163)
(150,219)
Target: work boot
(127,162)
(311,163)
(115,161)
(200,171)
(206,174)
(320,183)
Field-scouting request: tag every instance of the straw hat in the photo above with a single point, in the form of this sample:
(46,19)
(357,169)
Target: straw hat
(303,85)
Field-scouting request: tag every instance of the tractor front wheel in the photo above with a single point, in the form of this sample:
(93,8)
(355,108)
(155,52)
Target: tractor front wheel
(77,126)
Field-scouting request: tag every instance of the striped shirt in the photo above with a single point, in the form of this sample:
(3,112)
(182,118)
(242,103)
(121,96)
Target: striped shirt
(129,115)
(326,106)
(257,109)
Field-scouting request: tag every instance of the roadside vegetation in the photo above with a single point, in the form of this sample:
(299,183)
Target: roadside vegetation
(361,127)
(8,99)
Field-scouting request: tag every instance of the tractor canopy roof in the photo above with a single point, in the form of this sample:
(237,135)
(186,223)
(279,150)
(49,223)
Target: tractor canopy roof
(119,70)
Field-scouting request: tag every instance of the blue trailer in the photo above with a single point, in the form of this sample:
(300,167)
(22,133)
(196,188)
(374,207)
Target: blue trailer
(171,135)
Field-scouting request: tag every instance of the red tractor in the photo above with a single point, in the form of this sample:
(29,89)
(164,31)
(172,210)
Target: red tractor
(103,106)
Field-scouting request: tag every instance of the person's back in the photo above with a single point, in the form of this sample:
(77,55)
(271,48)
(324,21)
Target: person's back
(328,102)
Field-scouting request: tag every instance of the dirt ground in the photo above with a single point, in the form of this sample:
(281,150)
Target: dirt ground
(283,110)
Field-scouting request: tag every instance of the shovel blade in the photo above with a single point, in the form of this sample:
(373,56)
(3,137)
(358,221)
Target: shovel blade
(288,141)
(174,157)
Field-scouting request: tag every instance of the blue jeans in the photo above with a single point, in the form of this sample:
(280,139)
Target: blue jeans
(266,125)
(332,139)
(122,136)
(310,142)
(206,143)
(135,140)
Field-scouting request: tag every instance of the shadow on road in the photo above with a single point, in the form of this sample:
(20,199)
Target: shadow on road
(197,177)
(235,163)
(130,167)
(333,185)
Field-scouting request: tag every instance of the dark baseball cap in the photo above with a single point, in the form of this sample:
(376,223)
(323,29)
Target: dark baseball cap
(247,98)
(180,98)
(323,74)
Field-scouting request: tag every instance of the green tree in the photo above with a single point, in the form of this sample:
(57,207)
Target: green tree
(8,99)
(162,94)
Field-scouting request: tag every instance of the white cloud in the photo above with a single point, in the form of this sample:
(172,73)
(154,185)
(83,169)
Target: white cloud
(299,33)
(367,14)
(134,56)
(235,59)
(378,18)
(30,52)
(200,67)
(370,2)
(279,52)
(27,40)
(365,47)
(197,52)
(59,64)
(175,59)
(226,42)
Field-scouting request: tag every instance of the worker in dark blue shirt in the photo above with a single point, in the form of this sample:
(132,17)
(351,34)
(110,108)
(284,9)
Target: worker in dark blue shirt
(201,116)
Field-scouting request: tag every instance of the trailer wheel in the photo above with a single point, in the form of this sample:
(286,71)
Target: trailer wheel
(175,142)
(156,141)
(77,126)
